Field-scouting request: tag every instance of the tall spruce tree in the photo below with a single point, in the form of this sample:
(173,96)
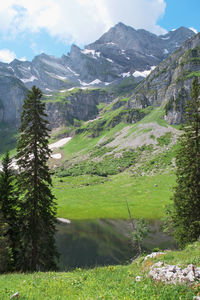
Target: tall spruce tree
(36,202)
(186,199)
(8,205)
(6,262)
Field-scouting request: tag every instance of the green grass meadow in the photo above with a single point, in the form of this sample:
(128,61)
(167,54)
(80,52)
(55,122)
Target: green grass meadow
(90,197)
(111,282)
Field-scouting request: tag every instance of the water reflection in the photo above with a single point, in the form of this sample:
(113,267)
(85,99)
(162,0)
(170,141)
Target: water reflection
(98,242)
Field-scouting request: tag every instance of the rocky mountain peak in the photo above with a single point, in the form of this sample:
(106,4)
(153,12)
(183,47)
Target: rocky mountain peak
(120,34)
(120,53)
(141,41)
(178,35)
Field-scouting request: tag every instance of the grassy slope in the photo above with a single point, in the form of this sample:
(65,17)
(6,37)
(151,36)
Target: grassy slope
(89,197)
(112,282)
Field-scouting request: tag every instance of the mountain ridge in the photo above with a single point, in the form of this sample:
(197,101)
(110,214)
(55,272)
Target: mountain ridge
(105,67)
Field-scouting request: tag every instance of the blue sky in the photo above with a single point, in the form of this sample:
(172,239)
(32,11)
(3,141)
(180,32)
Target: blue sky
(181,13)
(28,28)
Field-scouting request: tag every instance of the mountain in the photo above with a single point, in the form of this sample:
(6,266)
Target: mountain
(170,83)
(122,54)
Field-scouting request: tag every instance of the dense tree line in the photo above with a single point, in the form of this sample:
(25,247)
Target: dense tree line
(27,206)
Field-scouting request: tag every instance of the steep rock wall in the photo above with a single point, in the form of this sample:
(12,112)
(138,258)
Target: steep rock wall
(170,83)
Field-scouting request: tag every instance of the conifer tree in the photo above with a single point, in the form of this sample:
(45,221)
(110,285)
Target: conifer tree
(5,249)
(186,199)
(8,204)
(37,205)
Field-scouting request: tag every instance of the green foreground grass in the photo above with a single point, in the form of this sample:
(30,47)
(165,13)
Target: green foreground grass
(90,197)
(112,282)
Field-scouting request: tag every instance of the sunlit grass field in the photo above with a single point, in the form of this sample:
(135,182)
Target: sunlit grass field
(111,282)
(90,197)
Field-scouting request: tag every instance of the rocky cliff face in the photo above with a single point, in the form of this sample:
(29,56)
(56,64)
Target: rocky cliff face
(120,53)
(170,83)
(78,105)
(11,99)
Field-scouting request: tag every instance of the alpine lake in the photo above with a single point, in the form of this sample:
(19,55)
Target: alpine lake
(100,242)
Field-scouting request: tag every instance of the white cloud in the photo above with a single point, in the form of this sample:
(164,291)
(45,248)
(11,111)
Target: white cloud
(6,55)
(193,29)
(23,58)
(79,21)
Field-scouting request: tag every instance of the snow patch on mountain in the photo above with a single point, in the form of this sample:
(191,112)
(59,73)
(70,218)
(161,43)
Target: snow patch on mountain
(96,81)
(128,74)
(76,74)
(11,69)
(91,52)
(110,60)
(57,76)
(59,143)
(32,78)
(143,73)
(193,29)
(98,54)
(56,156)
(165,38)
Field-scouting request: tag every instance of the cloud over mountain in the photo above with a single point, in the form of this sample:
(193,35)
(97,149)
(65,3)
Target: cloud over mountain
(78,21)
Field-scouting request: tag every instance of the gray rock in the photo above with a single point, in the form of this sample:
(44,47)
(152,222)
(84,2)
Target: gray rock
(153,255)
(174,274)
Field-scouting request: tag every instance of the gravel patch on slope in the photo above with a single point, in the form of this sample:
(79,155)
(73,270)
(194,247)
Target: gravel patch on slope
(140,138)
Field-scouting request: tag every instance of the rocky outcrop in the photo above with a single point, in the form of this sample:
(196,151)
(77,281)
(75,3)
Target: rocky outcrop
(174,274)
(79,105)
(170,83)
(12,96)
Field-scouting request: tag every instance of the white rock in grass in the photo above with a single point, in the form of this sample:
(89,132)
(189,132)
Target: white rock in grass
(153,255)
(174,274)
(62,220)
(138,278)
(16,295)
